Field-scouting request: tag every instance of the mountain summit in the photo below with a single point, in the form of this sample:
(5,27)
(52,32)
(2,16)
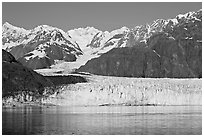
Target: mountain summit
(39,47)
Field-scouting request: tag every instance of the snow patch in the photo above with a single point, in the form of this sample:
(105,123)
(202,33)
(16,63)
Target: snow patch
(172,37)
(8,46)
(175,21)
(188,38)
(36,53)
(156,53)
(144,40)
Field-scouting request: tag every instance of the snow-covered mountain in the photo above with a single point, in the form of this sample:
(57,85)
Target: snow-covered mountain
(44,45)
(140,34)
(35,47)
(92,40)
(83,36)
(12,36)
(105,41)
(39,47)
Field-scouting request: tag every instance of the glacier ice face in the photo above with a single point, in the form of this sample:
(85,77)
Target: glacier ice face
(129,91)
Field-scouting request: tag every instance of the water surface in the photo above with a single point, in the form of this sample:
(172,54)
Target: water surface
(98,120)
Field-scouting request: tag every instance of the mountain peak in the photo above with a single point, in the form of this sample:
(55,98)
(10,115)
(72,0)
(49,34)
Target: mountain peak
(44,27)
(90,28)
(83,30)
(7,26)
(124,28)
(188,14)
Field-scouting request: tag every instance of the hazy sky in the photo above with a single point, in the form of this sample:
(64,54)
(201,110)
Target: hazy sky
(103,16)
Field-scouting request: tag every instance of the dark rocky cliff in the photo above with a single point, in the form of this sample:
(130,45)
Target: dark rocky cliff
(161,57)
(175,51)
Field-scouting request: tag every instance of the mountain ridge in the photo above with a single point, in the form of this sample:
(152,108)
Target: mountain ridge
(173,50)
(82,41)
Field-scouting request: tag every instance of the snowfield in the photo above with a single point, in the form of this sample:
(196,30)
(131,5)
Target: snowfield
(103,90)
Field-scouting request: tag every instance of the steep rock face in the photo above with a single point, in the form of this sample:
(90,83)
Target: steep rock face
(16,78)
(166,48)
(172,57)
(118,62)
(188,33)
(163,57)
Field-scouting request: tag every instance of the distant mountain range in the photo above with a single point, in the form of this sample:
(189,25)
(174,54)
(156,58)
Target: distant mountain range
(42,46)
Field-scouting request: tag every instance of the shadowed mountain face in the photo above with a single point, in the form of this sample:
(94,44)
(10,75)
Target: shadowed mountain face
(17,78)
(174,51)
(162,57)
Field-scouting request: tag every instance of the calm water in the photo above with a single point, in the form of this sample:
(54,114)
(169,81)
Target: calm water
(103,120)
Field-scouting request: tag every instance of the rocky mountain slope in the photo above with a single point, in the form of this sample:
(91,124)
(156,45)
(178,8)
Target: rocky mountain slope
(39,47)
(17,79)
(174,50)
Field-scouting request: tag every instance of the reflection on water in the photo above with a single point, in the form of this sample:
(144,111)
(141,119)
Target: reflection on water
(103,120)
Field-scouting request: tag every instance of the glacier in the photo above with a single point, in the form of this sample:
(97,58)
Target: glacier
(105,91)
(102,90)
